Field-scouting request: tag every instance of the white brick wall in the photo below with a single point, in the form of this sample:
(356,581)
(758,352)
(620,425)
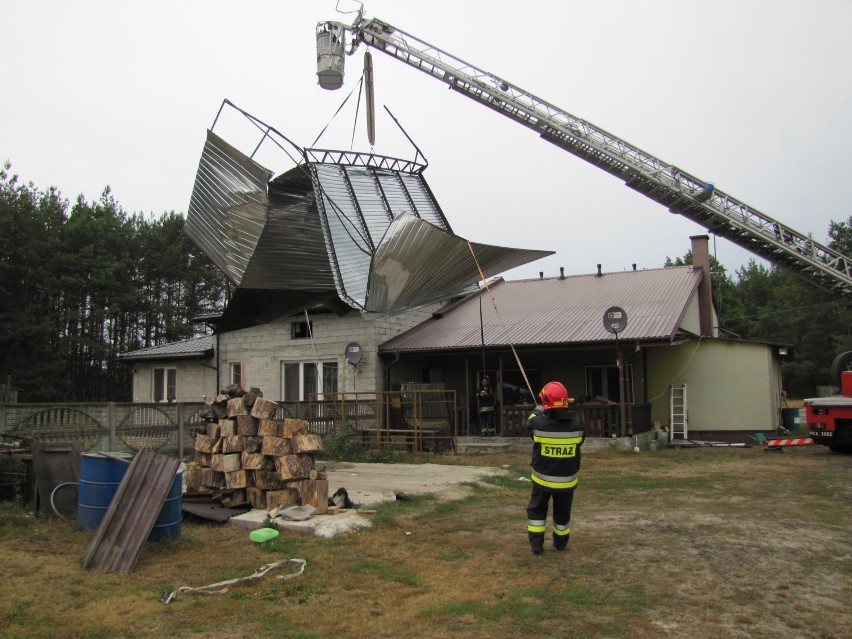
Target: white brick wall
(261,349)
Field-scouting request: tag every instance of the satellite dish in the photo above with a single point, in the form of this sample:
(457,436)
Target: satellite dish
(353,353)
(615,319)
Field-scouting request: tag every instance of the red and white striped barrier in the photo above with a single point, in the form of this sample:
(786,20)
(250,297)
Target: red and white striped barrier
(790,441)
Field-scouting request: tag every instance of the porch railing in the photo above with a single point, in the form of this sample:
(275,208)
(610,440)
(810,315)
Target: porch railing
(601,420)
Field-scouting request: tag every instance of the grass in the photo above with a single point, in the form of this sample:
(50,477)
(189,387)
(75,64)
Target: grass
(679,543)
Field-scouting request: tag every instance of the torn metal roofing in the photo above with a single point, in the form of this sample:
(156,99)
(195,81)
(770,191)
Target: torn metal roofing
(559,311)
(360,227)
(194,348)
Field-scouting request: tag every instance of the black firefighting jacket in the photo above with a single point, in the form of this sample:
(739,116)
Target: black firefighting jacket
(557,436)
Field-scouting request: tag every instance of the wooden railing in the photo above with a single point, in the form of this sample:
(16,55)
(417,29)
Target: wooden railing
(602,420)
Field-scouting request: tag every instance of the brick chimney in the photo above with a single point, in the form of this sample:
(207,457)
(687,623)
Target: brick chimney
(701,260)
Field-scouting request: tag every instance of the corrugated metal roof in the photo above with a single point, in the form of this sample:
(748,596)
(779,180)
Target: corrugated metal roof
(362,225)
(189,348)
(559,311)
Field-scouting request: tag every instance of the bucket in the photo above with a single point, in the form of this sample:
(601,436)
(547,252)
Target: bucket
(790,418)
(100,477)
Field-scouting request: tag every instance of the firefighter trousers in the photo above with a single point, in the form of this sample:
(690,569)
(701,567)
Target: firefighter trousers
(539,502)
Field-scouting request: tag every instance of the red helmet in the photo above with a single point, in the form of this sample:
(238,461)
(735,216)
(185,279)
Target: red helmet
(554,395)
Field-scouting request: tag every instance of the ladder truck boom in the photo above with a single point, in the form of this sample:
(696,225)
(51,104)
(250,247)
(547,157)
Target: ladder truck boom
(660,181)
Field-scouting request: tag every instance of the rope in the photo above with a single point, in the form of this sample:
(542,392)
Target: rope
(500,319)
(222,587)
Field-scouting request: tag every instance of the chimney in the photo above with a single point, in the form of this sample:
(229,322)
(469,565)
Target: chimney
(701,260)
(634,266)
(541,275)
(561,272)
(599,271)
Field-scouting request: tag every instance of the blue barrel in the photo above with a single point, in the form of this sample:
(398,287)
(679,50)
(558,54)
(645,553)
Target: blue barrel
(169,520)
(100,477)
(791,418)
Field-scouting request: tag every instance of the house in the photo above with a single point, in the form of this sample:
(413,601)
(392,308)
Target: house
(677,370)
(178,372)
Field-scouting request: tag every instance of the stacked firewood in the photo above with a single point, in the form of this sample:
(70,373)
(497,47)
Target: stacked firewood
(246,456)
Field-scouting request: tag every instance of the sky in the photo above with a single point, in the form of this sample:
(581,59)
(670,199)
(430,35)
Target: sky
(752,95)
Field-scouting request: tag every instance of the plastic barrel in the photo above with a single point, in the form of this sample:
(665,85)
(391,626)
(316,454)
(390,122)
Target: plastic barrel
(169,520)
(100,477)
(790,418)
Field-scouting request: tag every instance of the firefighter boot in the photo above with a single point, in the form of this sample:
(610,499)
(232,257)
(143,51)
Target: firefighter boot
(537,543)
(560,542)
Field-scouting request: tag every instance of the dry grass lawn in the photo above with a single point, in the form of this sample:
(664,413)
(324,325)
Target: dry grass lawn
(708,542)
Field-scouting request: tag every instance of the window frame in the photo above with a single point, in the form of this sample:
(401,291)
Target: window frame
(305,385)
(161,387)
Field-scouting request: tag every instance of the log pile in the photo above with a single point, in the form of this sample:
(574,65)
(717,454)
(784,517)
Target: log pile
(248,457)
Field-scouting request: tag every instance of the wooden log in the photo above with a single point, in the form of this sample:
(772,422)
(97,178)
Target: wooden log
(256,497)
(213,430)
(225,463)
(292,467)
(252,461)
(268,480)
(314,492)
(288,496)
(204,443)
(306,443)
(232,444)
(276,446)
(227,427)
(270,428)
(236,498)
(236,406)
(294,427)
(247,425)
(203,459)
(238,479)
(264,409)
(252,444)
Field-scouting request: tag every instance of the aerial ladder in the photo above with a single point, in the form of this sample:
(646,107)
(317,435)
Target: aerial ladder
(660,181)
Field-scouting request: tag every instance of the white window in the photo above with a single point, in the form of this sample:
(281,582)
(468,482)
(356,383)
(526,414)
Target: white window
(164,385)
(237,373)
(300,380)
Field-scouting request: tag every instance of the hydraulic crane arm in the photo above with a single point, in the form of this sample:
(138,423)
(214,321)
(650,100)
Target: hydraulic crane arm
(662,182)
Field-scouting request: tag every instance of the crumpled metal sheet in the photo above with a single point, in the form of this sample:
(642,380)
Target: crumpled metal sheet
(417,263)
(359,226)
(228,207)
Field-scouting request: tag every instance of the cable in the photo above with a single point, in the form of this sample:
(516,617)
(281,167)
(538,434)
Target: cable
(685,366)
(53,503)
(500,319)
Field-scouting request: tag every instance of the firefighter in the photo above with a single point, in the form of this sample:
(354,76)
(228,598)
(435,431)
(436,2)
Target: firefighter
(557,436)
(485,406)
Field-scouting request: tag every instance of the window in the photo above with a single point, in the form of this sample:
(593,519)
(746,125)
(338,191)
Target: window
(237,373)
(165,383)
(301,330)
(603,381)
(299,380)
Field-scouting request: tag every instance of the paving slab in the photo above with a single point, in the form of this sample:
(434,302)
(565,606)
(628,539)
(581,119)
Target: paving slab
(370,484)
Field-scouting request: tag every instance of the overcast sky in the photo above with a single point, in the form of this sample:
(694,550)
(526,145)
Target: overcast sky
(753,95)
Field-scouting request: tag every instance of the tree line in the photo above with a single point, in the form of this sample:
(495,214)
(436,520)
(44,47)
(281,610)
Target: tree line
(82,283)
(772,304)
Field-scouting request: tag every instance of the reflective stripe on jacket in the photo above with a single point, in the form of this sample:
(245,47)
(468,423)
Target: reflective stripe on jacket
(557,437)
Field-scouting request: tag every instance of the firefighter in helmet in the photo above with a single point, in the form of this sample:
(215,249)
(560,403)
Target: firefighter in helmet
(557,435)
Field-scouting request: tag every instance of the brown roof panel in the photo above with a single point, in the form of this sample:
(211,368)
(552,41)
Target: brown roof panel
(559,311)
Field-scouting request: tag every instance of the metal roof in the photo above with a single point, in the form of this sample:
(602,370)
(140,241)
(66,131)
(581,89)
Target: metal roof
(194,348)
(360,226)
(559,310)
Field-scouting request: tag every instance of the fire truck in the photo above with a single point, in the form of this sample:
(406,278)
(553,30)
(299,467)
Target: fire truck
(829,419)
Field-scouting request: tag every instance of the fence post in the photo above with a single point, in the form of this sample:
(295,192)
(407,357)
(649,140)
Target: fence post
(180,423)
(111,425)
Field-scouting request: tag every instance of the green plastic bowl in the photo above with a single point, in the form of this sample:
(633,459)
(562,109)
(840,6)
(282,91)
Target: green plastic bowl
(263,534)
